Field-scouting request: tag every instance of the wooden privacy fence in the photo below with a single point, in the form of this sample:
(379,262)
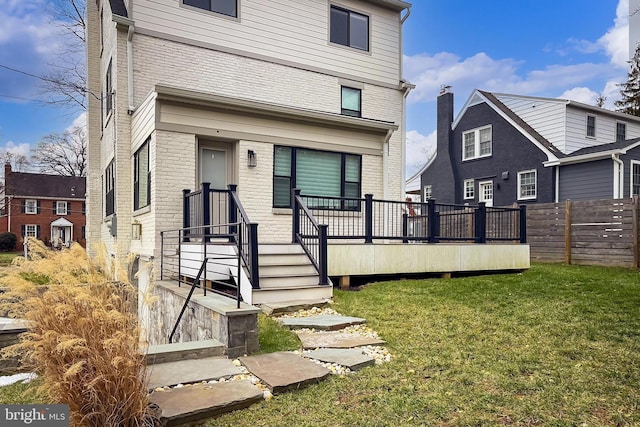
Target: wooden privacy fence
(597,232)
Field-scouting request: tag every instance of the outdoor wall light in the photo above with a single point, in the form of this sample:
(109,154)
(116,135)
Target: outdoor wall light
(252,159)
(136,230)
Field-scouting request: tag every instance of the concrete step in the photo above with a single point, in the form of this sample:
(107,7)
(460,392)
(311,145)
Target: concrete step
(287,270)
(277,295)
(190,371)
(163,353)
(279,249)
(288,281)
(193,404)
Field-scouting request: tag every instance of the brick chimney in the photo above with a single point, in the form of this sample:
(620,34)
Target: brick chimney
(7,169)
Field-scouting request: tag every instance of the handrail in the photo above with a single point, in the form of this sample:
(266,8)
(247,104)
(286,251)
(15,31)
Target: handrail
(312,230)
(248,250)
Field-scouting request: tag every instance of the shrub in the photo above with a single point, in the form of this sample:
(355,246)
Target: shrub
(82,340)
(8,241)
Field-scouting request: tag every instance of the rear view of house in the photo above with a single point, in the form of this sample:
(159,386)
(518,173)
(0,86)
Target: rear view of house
(48,207)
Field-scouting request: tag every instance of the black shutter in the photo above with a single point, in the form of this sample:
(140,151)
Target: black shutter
(22,230)
(54,207)
(23,206)
(38,207)
(84,208)
(38,232)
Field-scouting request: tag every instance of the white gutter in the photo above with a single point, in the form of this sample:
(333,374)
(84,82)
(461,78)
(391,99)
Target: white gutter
(557,198)
(618,189)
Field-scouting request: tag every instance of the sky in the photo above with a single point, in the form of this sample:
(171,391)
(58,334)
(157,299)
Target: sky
(572,49)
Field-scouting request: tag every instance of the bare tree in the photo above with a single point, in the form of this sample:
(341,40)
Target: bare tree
(62,154)
(600,100)
(66,83)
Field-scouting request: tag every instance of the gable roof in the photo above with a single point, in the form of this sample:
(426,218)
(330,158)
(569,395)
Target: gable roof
(20,184)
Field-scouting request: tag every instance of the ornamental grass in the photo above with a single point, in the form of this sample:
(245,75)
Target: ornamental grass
(83,335)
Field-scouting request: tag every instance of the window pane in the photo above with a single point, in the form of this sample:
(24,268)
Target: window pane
(359,31)
(226,7)
(281,192)
(527,184)
(352,168)
(202,4)
(318,173)
(142,177)
(469,145)
(282,161)
(339,26)
(635,190)
(350,99)
(621,131)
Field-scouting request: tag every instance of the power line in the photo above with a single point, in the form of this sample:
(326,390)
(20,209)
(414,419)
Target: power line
(17,97)
(23,72)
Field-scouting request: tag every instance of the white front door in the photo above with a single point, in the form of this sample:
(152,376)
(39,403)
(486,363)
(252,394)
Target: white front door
(486,192)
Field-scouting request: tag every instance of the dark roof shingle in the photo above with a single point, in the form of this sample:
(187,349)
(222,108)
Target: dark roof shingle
(41,185)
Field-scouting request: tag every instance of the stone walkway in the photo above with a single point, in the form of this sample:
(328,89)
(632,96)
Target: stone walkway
(188,389)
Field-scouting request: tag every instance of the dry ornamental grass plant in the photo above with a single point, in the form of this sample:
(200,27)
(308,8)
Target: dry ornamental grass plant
(83,338)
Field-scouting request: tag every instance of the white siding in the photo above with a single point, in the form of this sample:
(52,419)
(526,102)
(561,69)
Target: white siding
(605,129)
(546,117)
(289,31)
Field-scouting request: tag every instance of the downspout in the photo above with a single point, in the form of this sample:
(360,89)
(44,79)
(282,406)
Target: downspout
(403,133)
(557,197)
(618,189)
(385,165)
(130,68)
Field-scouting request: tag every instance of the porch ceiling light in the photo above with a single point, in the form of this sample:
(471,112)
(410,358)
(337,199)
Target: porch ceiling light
(252,159)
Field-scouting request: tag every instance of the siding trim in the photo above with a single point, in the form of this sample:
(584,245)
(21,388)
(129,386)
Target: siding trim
(265,58)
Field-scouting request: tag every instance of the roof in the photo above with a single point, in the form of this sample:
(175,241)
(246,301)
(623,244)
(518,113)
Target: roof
(118,8)
(597,152)
(40,185)
(524,125)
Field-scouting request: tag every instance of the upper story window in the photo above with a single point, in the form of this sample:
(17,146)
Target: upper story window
(108,89)
(31,207)
(351,101)
(621,131)
(349,28)
(141,177)
(224,7)
(469,189)
(476,143)
(591,126)
(527,185)
(61,208)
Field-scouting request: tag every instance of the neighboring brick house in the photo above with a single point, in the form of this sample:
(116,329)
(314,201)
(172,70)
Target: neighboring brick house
(48,207)
(264,94)
(503,149)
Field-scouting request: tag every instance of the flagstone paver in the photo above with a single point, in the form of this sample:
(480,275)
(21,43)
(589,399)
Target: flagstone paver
(326,322)
(283,371)
(350,358)
(194,403)
(191,371)
(311,340)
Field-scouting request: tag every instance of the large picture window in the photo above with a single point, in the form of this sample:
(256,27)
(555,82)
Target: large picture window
(224,7)
(349,28)
(109,189)
(142,177)
(315,173)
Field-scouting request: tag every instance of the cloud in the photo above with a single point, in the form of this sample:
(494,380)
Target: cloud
(78,122)
(616,40)
(17,149)
(29,40)
(419,149)
(580,94)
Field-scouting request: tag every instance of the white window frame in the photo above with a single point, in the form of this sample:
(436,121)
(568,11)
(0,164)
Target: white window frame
(33,232)
(476,143)
(595,126)
(633,164)
(469,189)
(62,208)
(535,184)
(31,207)
(428,192)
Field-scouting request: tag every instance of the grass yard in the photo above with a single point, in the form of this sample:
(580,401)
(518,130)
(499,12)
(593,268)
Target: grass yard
(554,346)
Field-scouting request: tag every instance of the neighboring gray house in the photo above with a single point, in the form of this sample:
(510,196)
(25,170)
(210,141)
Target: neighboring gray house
(503,149)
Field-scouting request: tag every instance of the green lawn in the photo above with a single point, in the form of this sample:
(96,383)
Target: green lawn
(554,346)
(7,257)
